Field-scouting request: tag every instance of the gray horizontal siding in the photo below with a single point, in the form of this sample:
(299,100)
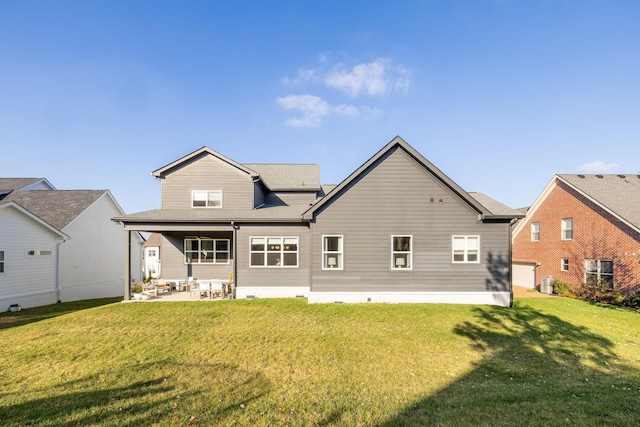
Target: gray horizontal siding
(207,172)
(394,198)
(290,198)
(266,276)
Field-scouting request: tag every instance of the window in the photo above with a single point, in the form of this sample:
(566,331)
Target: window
(206,251)
(39,253)
(151,253)
(535,231)
(206,199)
(1,261)
(401,253)
(600,270)
(274,251)
(466,249)
(564,264)
(332,252)
(567,229)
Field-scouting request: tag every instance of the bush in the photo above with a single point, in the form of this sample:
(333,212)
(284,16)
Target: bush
(137,288)
(561,288)
(633,300)
(595,290)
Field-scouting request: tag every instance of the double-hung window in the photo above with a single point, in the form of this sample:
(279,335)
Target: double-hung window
(564,264)
(599,270)
(401,252)
(332,252)
(206,199)
(535,231)
(466,249)
(567,228)
(1,261)
(206,251)
(274,251)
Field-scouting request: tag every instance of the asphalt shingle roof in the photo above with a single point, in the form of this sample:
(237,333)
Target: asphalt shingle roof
(291,177)
(494,206)
(618,193)
(11,184)
(274,213)
(56,207)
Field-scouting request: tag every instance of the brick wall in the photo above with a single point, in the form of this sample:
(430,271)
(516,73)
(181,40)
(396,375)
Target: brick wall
(596,235)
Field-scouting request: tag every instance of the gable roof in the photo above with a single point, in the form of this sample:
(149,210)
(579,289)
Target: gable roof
(618,194)
(288,177)
(398,143)
(204,150)
(58,208)
(13,184)
(34,218)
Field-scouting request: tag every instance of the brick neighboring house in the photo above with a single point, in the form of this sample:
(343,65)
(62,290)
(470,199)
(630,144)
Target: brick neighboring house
(581,226)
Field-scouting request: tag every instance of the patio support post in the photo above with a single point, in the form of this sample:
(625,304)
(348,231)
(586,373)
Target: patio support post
(127,265)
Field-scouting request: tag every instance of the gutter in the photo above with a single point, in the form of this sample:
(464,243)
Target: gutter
(57,279)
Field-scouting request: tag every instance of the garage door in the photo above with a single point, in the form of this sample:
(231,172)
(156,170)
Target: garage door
(524,275)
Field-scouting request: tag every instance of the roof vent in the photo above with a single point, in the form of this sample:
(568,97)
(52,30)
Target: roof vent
(580,176)
(599,176)
(621,176)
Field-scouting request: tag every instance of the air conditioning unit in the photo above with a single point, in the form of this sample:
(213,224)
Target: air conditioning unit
(546,287)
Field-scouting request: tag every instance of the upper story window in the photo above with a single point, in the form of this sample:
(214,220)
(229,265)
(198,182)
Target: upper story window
(206,199)
(535,231)
(206,251)
(401,252)
(274,251)
(567,228)
(332,252)
(1,261)
(466,249)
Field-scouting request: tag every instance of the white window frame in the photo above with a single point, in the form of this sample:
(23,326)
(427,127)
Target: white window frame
(564,264)
(214,251)
(466,250)
(598,270)
(535,231)
(2,262)
(401,259)
(566,224)
(151,253)
(206,199)
(282,251)
(336,255)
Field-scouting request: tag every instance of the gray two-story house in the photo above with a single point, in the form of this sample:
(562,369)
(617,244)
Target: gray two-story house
(396,230)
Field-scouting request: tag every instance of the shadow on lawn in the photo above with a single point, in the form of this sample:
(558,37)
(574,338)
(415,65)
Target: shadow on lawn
(159,392)
(30,315)
(538,370)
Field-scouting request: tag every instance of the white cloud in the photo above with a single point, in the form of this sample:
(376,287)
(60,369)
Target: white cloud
(597,166)
(312,109)
(374,78)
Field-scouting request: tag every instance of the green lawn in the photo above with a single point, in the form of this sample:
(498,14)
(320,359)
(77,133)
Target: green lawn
(552,361)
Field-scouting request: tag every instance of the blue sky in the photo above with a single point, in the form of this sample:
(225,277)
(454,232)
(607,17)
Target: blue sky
(498,94)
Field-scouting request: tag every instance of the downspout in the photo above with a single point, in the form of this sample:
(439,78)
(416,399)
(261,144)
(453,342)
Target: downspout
(511,262)
(58,290)
(235,228)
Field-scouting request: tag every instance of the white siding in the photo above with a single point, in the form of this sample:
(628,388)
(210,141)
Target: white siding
(27,280)
(91,261)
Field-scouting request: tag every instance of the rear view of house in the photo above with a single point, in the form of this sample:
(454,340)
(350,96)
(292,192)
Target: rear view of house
(396,230)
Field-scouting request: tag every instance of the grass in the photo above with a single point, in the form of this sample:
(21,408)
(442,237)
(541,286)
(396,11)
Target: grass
(283,362)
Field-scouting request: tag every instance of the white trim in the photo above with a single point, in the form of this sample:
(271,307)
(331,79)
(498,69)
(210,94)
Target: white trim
(394,266)
(466,249)
(193,193)
(533,233)
(564,229)
(282,251)
(489,298)
(242,292)
(339,252)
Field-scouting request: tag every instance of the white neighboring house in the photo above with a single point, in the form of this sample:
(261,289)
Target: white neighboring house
(152,256)
(60,245)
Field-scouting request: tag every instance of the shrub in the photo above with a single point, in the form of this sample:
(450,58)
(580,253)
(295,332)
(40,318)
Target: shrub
(595,290)
(137,288)
(561,288)
(633,300)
